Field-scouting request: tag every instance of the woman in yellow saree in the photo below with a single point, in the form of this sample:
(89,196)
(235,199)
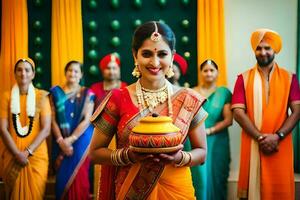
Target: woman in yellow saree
(25,119)
(149,176)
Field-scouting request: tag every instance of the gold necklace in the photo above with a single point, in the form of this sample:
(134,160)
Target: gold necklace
(152,98)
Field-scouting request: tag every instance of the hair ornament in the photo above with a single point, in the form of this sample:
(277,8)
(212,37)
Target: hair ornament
(155,36)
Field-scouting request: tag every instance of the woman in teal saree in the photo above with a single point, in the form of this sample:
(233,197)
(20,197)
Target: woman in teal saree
(210,179)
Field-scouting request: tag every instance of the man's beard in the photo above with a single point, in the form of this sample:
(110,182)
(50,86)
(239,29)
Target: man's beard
(264,62)
(111,78)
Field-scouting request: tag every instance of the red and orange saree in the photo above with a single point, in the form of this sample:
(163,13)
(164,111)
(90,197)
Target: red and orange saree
(118,114)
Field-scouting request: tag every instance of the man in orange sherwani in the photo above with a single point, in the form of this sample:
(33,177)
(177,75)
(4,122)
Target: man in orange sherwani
(260,103)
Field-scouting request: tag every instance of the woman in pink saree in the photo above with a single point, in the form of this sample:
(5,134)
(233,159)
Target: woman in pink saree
(149,176)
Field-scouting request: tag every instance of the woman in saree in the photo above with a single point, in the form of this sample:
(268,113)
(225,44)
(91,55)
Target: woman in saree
(25,120)
(149,176)
(210,180)
(72,107)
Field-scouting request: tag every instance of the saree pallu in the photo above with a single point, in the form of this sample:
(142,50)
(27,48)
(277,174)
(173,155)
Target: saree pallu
(266,177)
(148,180)
(72,176)
(29,182)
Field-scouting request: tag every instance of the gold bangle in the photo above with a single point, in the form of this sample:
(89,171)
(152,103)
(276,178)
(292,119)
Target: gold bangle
(119,157)
(186,159)
(126,157)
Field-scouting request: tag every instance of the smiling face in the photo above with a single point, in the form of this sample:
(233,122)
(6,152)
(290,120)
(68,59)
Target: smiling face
(154,60)
(73,73)
(24,73)
(264,54)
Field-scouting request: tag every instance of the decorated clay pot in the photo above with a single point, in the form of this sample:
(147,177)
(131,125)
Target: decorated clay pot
(155,134)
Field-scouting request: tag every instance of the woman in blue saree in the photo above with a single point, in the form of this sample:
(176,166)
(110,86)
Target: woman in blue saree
(72,107)
(210,179)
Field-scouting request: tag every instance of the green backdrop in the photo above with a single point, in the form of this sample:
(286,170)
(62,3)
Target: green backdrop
(108,26)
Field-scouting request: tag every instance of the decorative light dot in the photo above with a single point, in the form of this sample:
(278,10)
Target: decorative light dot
(93,41)
(185,2)
(137,23)
(39,70)
(115,25)
(38,56)
(187,55)
(162,3)
(93,4)
(115,41)
(185,39)
(93,25)
(114,3)
(37,24)
(185,23)
(93,70)
(38,41)
(137,3)
(92,54)
(39,85)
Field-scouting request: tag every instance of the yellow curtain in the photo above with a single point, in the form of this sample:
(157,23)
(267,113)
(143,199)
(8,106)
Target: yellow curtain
(66,37)
(14,39)
(211,35)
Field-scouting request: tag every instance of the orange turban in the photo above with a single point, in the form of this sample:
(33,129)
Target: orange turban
(271,37)
(110,58)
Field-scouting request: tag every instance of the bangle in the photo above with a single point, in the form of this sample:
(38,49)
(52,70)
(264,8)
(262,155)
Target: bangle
(126,156)
(212,130)
(119,157)
(73,138)
(185,160)
(30,152)
(60,138)
(208,131)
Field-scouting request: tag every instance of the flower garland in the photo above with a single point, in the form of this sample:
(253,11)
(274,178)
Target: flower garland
(15,109)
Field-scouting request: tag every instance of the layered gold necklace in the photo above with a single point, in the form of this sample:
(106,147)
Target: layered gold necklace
(152,98)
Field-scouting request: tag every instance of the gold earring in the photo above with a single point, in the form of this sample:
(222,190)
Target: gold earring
(136,72)
(170,72)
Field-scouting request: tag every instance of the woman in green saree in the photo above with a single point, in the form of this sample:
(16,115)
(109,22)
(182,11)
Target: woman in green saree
(210,179)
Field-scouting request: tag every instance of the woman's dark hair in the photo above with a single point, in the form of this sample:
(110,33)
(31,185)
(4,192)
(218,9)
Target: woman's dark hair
(22,60)
(145,30)
(73,62)
(209,61)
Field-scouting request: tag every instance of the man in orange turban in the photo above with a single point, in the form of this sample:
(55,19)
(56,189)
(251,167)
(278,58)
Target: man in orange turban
(260,103)
(109,66)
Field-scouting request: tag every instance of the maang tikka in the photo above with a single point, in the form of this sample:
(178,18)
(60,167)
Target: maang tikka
(155,36)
